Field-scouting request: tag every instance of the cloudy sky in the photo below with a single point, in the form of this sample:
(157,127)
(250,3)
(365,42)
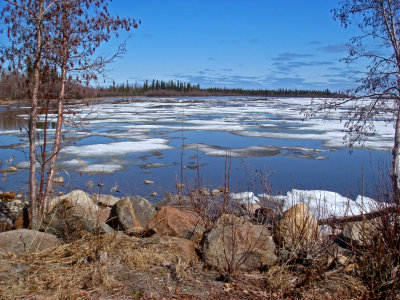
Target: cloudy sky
(235,43)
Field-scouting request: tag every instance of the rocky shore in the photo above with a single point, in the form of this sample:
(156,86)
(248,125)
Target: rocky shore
(275,240)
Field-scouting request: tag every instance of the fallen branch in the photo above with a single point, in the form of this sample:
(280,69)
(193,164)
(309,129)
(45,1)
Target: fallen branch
(366,216)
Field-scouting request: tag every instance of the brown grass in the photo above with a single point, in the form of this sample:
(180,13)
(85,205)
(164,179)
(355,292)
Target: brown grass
(87,268)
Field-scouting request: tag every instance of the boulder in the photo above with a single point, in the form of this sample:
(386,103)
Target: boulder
(79,199)
(174,221)
(24,240)
(131,214)
(240,246)
(297,228)
(70,218)
(359,234)
(105,200)
(174,200)
(105,213)
(123,217)
(195,235)
(228,219)
(181,248)
(144,210)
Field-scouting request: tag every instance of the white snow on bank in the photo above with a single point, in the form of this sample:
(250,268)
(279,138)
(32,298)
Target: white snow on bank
(245,197)
(325,204)
(118,148)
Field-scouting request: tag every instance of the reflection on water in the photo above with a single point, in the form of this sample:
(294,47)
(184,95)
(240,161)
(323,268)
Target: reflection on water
(10,120)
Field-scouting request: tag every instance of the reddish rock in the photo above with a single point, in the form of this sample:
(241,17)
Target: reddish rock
(174,221)
(104,214)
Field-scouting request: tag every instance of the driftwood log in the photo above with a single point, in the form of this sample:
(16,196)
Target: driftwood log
(366,216)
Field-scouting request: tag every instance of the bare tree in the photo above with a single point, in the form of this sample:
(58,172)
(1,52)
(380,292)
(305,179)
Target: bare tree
(25,20)
(79,27)
(378,95)
(65,34)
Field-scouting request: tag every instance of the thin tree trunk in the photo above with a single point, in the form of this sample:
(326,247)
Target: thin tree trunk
(44,161)
(57,138)
(396,157)
(32,125)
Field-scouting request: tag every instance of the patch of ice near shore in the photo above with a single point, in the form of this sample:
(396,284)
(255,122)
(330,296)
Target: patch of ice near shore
(325,204)
(245,197)
(118,148)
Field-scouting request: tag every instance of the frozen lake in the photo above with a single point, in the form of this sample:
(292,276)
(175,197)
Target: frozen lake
(123,141)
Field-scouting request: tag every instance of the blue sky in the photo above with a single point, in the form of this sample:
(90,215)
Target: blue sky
(265,44)
(236,43)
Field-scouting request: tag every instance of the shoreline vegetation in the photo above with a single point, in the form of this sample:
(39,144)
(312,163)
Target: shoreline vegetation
(16,86)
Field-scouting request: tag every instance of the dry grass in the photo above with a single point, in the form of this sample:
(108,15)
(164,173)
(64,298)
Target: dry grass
(286,281)
(87,268)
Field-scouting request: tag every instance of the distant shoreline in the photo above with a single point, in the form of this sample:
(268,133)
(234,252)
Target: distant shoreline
(151,95)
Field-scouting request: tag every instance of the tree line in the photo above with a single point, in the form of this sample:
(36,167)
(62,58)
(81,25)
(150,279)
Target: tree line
(13,87)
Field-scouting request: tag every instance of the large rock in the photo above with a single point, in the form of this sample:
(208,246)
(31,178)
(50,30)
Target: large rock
(123,217)
(174,200)
(362,233)
(297,228)
(79,199)
(181,248)
(105,200)
(131,214)
(24,240)
(173,221)
(69,218)
(239,246)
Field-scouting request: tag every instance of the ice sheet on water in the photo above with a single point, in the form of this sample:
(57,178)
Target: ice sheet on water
(100,168)
(259,151)
(22,165)
(117,148)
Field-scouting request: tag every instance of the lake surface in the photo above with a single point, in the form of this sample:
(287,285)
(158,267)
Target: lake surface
(260,142)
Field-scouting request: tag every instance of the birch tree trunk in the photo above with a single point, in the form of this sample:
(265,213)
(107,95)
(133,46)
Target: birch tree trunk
(32,123)
(57,137)
(396,157)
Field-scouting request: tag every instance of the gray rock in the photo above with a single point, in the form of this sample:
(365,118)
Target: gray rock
(244,247)
(24,240)
(105,200)
(79,199)
(131,214)
(71,218)
(174,200)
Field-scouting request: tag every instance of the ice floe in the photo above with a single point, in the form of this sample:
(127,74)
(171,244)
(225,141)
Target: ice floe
(117,148)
